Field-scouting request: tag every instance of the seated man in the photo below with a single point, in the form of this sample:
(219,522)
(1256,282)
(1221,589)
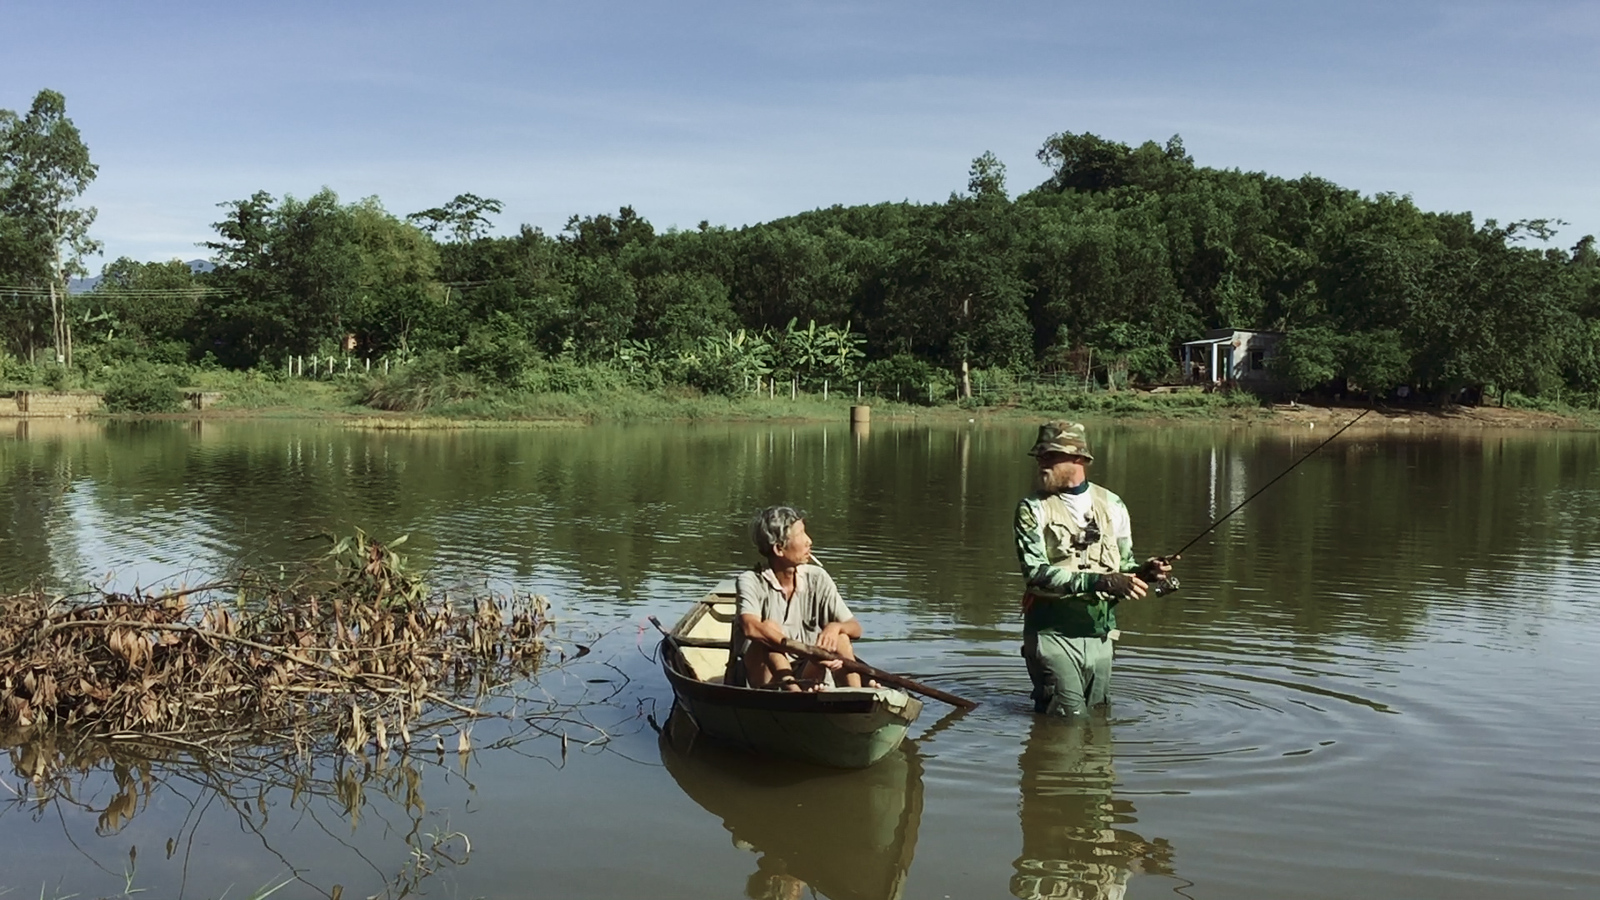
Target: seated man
(789,597)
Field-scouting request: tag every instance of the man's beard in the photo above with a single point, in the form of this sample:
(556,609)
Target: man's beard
(1049,481)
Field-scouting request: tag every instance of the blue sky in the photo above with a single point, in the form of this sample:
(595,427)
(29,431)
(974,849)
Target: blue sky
(742,112)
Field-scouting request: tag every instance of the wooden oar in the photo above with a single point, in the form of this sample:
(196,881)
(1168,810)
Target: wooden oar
(849,665)
(852,665)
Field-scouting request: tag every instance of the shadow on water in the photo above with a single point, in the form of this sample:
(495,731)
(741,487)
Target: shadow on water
(847,835)
(1074,843)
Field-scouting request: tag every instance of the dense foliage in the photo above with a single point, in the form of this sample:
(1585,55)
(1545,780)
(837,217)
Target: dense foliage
(1116,258)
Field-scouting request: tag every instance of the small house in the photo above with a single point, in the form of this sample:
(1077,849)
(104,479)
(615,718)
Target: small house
(1233,358)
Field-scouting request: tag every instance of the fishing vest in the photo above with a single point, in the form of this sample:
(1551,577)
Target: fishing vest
(1064,538)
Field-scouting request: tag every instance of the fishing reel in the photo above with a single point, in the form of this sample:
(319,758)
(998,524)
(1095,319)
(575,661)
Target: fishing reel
(1163,584)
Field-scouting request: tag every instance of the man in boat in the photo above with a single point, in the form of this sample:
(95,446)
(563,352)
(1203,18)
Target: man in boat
(1075,543)
(789,596)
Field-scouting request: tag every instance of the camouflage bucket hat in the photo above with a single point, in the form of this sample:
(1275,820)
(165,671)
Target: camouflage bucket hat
(1062,437)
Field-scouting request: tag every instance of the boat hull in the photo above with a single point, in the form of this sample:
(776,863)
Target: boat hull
(846,728)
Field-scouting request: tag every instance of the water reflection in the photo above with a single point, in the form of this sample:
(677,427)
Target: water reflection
(165,804)
(847,835)
(1072,845)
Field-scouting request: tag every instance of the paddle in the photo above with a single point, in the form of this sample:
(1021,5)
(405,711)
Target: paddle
(853,665)
(849,665)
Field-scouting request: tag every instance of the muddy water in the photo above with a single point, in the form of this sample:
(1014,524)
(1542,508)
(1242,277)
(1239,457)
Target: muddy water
(1379,679)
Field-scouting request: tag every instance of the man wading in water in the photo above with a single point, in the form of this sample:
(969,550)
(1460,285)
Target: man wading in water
(1075,543)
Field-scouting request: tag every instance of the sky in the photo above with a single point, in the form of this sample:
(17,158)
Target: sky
(741,112)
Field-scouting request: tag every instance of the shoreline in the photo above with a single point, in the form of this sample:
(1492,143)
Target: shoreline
(1278,415)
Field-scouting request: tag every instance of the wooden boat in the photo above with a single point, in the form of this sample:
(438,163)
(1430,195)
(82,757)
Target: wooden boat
(842,727)
(848,835)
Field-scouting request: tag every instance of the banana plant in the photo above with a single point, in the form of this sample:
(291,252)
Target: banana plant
(743,353)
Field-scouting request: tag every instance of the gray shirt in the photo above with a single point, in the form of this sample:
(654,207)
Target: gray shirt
(815,605)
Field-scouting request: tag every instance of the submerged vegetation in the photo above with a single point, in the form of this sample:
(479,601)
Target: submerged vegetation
(337,685)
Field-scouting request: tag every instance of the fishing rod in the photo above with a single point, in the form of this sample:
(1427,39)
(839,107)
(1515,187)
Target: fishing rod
(1213,526)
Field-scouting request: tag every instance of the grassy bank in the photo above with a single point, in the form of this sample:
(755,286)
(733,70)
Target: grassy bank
(418,400)
(625,403)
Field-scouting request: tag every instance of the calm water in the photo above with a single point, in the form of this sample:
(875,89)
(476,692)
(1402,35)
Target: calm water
(1379,679)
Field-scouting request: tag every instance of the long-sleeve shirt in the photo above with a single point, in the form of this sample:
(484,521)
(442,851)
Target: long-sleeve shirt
(1060,597)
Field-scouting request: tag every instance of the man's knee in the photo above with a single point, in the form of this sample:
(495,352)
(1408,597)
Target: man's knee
(844,648)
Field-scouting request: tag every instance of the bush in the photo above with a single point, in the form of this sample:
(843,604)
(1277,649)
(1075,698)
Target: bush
(143,389)
(497,355)
(564,375)
(909,378)
(433,378)
(713,377)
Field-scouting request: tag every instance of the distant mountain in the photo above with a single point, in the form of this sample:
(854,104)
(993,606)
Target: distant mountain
(81,285)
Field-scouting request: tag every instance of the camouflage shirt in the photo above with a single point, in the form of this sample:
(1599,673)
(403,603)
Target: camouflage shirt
(1060,590)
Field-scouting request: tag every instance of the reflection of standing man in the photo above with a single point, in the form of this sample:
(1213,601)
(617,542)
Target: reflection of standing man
(1075,543)
(1071,847)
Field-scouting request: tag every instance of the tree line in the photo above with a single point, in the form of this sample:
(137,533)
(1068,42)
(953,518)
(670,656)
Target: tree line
(1121,253)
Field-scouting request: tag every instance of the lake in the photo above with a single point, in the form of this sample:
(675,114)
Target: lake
(1379,678)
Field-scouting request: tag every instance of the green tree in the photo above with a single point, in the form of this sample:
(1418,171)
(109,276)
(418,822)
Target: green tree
(142,309)
(464,217)
(44,168)
(1309,358)
(987,177)
(298,276)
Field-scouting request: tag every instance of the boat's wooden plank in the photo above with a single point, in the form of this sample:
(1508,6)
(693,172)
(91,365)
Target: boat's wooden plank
(702,643)
(703,640)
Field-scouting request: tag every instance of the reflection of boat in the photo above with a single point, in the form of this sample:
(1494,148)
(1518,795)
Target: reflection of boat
(842,727)
(848,835)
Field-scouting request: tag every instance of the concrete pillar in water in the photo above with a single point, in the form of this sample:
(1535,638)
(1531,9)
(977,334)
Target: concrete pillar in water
(860,421)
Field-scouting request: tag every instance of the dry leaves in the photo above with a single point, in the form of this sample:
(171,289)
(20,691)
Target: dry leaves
(358,653)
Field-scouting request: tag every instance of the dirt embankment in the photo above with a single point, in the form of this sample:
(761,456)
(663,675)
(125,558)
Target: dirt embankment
(1422,417)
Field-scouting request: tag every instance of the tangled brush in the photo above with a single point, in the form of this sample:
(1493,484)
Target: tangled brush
(356,647)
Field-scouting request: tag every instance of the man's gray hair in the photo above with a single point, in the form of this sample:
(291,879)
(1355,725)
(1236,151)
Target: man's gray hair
(770,528)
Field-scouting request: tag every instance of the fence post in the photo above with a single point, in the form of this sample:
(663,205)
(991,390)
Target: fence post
(794,387)
(386,365)
(347,365)
(930,392)
(858,389)
(330,367)
(824,390)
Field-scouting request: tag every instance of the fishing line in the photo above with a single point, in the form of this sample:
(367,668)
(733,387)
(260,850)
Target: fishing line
(1213,526)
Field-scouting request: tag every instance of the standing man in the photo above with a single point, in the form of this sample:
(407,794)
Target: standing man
(1075,543)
